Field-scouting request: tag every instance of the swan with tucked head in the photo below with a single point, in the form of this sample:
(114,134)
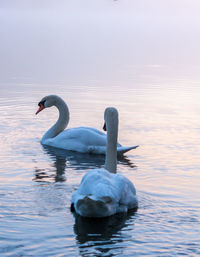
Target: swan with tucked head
(103,192)
(80,139)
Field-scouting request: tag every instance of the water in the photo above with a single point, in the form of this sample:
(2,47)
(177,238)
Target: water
(37,183)
(155,86)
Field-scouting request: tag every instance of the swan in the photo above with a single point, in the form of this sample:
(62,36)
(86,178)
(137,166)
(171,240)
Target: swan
(80,139)
(103,192)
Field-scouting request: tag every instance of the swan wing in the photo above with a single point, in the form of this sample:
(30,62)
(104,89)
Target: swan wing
(84,140)
(81,139)
(102,193)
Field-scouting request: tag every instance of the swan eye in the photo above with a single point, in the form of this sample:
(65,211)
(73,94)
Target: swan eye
(42,103)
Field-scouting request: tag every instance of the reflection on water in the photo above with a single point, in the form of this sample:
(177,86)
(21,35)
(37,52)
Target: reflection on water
(73,159)
(102,234)
(64,160)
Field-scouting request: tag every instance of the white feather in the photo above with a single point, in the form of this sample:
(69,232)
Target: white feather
(80,139)
(102,192)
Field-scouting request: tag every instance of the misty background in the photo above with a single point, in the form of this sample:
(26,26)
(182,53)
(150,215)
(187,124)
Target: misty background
(85,40)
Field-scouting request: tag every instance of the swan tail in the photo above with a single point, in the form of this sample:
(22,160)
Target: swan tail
(102,149)
(88,207)
(122,149)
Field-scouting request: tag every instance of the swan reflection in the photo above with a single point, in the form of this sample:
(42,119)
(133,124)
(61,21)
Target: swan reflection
(65,159)
(101,233)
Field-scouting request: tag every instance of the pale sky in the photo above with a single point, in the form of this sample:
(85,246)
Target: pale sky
(62,38)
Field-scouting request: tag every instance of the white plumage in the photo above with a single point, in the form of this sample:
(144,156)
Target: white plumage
(102,192)
(80,139)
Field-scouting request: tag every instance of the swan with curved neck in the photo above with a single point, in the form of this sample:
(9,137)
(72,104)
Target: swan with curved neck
(102,192)
(80,139)
(63,119)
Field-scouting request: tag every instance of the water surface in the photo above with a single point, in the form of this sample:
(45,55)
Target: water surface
(37,182)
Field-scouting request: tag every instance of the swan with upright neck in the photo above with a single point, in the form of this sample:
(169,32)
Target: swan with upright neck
(103,192)
(80,139)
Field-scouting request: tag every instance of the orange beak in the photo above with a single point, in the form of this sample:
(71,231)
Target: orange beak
(40,108)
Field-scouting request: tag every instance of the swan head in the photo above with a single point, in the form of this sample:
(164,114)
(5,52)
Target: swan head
(47,102)
(110,114)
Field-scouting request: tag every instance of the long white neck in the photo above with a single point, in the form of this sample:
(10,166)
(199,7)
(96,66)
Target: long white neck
(111,148)
(62,121)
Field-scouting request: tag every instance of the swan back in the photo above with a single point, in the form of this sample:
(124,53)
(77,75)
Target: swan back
(102,194)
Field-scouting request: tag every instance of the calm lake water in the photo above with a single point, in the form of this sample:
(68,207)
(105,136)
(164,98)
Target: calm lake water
(94,58)
(36,183)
